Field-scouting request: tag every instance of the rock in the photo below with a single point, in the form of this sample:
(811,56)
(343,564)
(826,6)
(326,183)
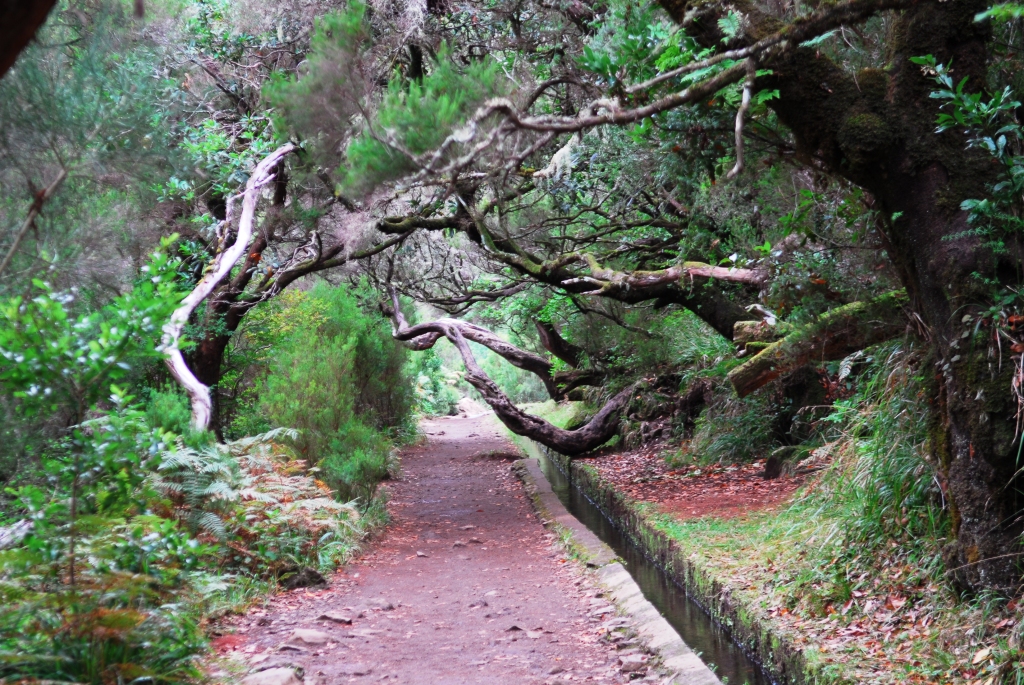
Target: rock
(632,663)
(478,603)
(294,578)
(555,670)
(366,632)
(272,676)
(470,527)
(422,554)
(379,603)
(534,634)
(264,621)
(336,617)
(304,638)
(476,541)
(353,669)
(458,543)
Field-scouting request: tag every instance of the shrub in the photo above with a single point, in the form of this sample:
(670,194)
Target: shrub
(340,383)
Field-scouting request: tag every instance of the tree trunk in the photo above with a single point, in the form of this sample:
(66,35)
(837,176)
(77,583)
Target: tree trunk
(878,130)
(19,21)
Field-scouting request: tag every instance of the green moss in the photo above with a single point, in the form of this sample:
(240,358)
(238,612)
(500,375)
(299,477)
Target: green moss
(864,137)
(873,83)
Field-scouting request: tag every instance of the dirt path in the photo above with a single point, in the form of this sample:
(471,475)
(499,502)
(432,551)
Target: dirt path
(480,593)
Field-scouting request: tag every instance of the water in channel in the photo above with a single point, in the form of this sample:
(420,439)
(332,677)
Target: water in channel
(693,624)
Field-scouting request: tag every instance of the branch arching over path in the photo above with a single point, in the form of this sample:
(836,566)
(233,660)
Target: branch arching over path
(593,434)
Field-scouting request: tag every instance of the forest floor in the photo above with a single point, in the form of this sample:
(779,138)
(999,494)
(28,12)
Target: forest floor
(721,491)
(464,586)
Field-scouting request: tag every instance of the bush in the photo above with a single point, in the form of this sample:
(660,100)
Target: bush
(435,391)
(341,383)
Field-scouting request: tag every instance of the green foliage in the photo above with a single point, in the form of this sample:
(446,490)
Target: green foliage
(733,430)
(888,490)
(340,382)
(98,635)
(435,394)
(52,358)
(168,408)
(415,118)
(220,159)
(991,124)
(1007,11)
(88,97)
(331,87)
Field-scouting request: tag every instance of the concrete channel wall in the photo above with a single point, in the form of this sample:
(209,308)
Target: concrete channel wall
(677,659)
(784,662)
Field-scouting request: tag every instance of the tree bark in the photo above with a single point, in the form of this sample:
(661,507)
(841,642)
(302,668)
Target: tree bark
(558,346)
(224,261)
(883,138)
(836,334)
(593,434)
(19,21)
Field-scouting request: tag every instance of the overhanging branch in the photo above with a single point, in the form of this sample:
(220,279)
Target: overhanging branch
(835,335)
(595,433)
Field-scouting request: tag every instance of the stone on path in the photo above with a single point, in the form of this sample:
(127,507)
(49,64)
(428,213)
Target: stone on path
(379,603)
(632,663)
(352,669)
(336,617)
(272,676)
(303,638)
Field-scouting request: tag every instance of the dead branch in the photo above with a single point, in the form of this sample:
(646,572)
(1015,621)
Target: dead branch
(223,262)
(37,206)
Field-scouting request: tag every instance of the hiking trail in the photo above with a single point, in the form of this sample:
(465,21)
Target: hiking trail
(464,586)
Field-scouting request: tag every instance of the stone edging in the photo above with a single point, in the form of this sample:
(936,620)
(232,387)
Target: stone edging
(651,627)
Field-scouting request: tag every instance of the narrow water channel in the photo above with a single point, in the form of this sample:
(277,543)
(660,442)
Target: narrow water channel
(693,624)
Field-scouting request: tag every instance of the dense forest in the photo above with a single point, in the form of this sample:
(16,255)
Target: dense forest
(242,239)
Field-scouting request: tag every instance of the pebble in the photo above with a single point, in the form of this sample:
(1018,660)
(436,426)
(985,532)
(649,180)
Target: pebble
(336,617)
(272,676)
(421,554)
(379,603)
(632,663)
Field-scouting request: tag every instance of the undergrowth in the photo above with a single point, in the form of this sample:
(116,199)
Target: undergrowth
(216,527)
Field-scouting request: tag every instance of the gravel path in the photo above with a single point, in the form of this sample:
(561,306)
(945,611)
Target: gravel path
(466,586)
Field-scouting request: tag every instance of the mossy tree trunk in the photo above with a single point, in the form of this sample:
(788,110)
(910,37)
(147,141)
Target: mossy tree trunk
(876,128)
